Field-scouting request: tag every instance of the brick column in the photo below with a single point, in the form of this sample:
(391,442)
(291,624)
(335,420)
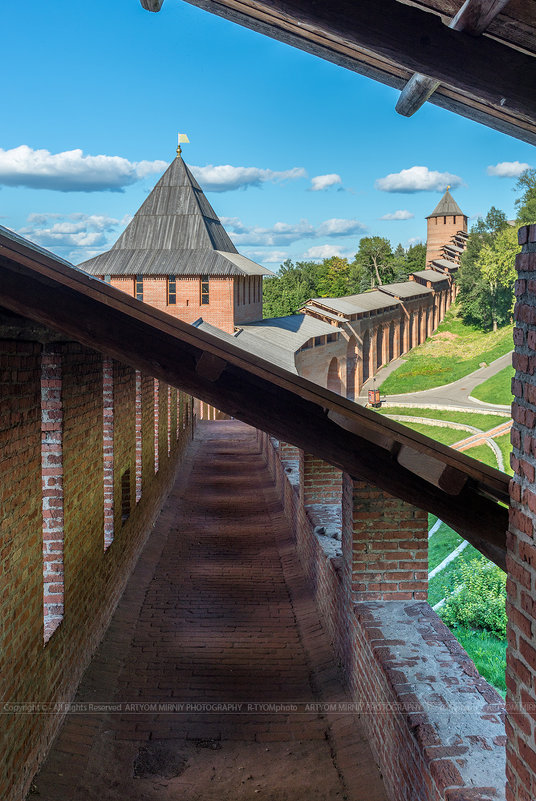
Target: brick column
(521,546)
(52,486)
(320,482)
(385,545)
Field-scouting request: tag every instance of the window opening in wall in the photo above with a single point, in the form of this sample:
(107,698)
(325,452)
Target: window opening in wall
(108,279)
(205,296)
(445,220)
(125,495)
(172,290)
(139,287)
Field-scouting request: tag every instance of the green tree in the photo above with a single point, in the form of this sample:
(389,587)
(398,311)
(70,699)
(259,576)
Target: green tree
(375,256)
(526,183)
(486,276)
(480,602)
(416,258)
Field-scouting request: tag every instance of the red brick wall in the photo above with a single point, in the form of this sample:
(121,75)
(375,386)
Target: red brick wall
(521,559)
(223,309)
(389,545)
(32,671)
(322,483)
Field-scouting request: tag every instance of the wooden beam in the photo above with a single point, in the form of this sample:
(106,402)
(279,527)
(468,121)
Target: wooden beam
(152,5)
(482,79)
(473,17)
(476,15)
(353,439)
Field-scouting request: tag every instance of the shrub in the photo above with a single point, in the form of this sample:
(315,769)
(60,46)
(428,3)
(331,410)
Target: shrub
(481,601)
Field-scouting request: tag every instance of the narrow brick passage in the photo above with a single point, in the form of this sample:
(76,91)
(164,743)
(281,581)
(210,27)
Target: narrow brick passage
(216,614)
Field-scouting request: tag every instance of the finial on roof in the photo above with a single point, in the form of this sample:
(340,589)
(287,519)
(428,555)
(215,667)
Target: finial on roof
(183,139)
(448,187)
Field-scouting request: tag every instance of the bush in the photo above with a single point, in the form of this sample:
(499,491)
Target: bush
(481,601)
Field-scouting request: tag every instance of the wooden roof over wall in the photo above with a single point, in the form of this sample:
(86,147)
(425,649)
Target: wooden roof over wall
(489,78)
(466,494)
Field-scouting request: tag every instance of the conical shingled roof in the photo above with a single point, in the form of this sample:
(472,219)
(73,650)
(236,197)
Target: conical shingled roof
(174,232)
(447,205)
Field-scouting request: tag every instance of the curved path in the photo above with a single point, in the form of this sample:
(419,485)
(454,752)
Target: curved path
(456,395)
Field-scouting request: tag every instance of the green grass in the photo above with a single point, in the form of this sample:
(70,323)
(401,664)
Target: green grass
(449,578)
(504,444)
(487,652)
(497,388)
(454,351)
(448,436)
(484,454)
(443,542)
(482,421)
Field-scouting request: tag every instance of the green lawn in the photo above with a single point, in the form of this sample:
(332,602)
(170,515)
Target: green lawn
(449,578)
(497,388)
(477,419)
(504,444)
(487,652)
(455,350)
(443,542)
(448,436)
(484,454)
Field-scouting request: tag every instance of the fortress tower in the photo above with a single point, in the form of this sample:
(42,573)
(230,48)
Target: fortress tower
(446,224)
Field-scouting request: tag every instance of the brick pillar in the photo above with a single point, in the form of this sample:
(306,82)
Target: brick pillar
(521,546)
(385,543)
(156,408)
(52,487)
(287,451)
(320,482)
(108,448)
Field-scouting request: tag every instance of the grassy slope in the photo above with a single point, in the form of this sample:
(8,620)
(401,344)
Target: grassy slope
(454,351)
(497,388)
(482,421)
(448,436)
(487,652)
(504,444)
(484,454)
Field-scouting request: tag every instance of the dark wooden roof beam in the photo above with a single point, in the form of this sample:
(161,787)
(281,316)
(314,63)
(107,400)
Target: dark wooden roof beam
(473,18)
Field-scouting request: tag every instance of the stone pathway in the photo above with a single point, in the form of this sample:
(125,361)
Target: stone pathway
(216,624)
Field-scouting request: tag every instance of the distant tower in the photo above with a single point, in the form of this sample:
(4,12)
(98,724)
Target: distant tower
(444,223)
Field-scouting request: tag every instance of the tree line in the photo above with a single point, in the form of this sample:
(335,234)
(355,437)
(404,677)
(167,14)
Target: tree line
(487,269)
(374,264)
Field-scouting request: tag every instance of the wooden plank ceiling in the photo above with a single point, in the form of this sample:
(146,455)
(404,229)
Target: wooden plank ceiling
(489,78)
(466,494)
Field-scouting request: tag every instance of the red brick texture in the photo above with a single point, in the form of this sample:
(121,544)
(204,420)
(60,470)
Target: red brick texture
(52,487)
(435,726)
(521,557)
(321,482)
(48,673)
(389,545)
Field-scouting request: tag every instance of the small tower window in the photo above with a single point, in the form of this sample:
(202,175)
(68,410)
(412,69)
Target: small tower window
(172,290)
(445,219)
(139,287)
(108,279)
(454,220)
(204,291)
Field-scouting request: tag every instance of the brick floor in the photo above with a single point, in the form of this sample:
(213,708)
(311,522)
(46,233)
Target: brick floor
(217,612)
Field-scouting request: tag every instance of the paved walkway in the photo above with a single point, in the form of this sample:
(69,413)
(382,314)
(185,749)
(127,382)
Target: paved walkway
(217,613)
(453,395)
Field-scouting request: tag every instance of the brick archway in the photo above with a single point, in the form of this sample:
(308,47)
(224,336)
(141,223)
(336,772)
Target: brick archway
(334,382)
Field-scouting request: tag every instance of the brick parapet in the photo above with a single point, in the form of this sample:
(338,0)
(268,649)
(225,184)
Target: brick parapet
(389,542)
(521,546)
(320,482)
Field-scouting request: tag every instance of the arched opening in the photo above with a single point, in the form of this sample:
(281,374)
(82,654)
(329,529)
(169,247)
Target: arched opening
(366,356)
(379,347)
(410,332)
(334,380)
(351,368)
(391,355)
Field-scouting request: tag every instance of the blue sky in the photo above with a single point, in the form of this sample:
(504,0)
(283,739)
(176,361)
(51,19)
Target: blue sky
(300,158)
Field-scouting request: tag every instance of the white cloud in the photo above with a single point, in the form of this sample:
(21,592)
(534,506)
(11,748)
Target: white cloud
(320,182)
(338,227)
(415,240)
(75,236)
(507,169)
(417,179)
(285,233)
(400,214)
(267,256)
(224,177)
(323,252)
(71,170)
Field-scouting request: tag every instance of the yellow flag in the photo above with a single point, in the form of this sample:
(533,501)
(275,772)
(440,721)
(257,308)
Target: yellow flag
(183,139)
